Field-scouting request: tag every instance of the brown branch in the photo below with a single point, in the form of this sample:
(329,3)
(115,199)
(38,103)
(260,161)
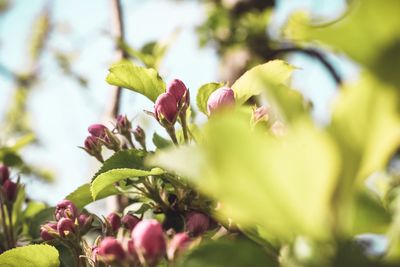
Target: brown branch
(316,54)
(118,33)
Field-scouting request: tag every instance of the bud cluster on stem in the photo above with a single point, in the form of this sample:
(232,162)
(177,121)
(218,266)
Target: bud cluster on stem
(172,106)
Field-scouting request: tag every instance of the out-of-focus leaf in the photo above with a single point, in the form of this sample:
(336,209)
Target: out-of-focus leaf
(40,218)
(270,78)
(107,179)
(370,34)
(131,158)
(232,253)
(40,32)
(369,215)
(23,141)
(145,81)
(250,172)
(32,256)
(33,208)
(82,196)
(204,93)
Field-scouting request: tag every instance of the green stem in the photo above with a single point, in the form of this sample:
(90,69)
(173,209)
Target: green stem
(11,228)
(172,134)
(182,117)
(5,228)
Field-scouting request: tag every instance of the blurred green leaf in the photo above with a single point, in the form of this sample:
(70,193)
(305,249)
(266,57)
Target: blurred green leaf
(32,256)
(232,253)
(106,180)
(41,28)
(40,218)
(204,93)
(261,180)
(145,81)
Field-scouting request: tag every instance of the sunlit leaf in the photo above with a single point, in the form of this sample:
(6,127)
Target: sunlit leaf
(261,180)
(204,93)
(82,196)
(106,180)
(32,255)
(145,81)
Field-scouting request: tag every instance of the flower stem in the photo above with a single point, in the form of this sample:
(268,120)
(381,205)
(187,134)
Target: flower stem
(182,117)
(5,228)
(172,134)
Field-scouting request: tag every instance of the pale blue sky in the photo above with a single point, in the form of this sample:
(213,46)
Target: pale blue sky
(61,111)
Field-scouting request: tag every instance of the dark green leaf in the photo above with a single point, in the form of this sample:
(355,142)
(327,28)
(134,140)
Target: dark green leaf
(161,142)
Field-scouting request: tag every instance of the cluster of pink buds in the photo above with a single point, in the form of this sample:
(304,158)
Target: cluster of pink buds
(8,188)
(69,222)
(221,98)
(172,105)
(146,246)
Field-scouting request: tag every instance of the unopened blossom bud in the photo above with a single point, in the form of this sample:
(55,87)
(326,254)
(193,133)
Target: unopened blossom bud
(97,130)
(110,250)
(123,126)
(4,174)
(85,222)
(178,244)
(10,190)
(65,226)
(129,221)
(92,146)
(166,109)
(65,209)
(220,98)
(140,136)
(48,231)
(114,220)
(197,223)
(149,241)
(178,89)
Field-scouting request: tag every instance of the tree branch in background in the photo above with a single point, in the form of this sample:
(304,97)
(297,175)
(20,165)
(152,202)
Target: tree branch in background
(313,53)
(119,36)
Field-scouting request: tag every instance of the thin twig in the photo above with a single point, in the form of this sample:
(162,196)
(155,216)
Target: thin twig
(316,54)
(118,32)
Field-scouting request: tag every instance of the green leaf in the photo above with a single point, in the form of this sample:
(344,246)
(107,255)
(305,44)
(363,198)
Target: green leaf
(82,196)
(106,180)
(204,93)
(249,172)
(32,256)
(145,81)
(270,78)
(232,253)
(40,218)
(160,142)
(131,158)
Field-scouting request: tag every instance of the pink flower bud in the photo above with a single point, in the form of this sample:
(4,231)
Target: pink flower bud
(48,231)
(66,209)
(140,136)
(92,146)
(110,250)
(65,226)
(178,244)
(4,174)
(222,97)
(123,126)
(197,223)
(166,109)
(85,222)
(10,190)
(149,241)
(178,89)
(129,221)
(97,130)
(114,220)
